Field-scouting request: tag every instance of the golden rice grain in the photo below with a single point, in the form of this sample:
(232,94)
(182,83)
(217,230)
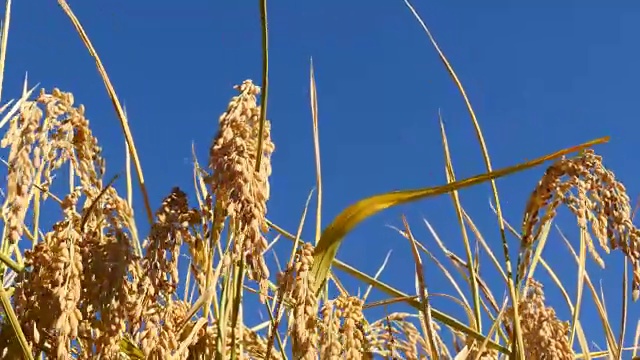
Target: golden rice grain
(239,189)
(545,337)
(600,200)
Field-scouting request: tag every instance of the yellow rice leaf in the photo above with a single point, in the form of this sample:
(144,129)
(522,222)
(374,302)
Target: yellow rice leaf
(332,236)
(131,350)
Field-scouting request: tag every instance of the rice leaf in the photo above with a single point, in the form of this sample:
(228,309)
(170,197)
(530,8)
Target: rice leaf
(327,248)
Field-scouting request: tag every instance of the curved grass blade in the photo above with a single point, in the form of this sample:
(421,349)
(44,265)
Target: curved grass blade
(124,122)
(487,160)
(327,248)
(4,38)
(265,78)
(599,302)
(581,270)
(15,324)
(421,289)
(471,262)
(316,148)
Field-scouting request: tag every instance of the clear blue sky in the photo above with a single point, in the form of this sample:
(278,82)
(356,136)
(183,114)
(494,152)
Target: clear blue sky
(540,77)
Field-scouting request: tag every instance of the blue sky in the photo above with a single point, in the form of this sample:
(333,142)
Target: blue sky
(540,77)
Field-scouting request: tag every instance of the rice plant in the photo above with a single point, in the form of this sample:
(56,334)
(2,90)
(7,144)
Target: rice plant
(93,286)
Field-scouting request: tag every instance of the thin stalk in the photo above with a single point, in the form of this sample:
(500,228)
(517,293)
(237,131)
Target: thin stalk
(265,79)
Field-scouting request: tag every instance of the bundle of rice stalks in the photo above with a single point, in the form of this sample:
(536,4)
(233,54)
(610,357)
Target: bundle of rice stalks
(89,287)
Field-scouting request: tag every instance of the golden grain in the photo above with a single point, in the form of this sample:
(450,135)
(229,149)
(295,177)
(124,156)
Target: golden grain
(600,200)
(304,336)
(330,344)
(241,191)
(545,337)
